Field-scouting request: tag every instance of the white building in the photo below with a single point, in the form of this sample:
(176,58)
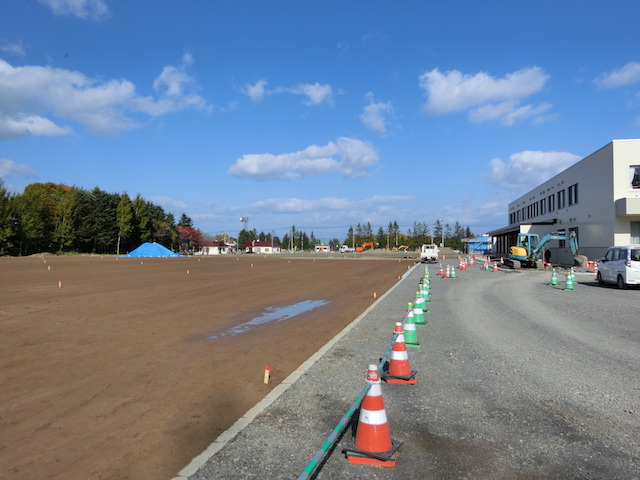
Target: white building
(212,247)
(255,246)
(598,198)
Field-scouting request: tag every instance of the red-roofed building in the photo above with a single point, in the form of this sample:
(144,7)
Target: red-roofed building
(256,246)
(213,247)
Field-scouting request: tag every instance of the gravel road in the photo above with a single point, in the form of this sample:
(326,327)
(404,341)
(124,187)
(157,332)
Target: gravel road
(516,379)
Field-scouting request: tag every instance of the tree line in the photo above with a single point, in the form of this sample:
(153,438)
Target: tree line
(415,236)
(389,238)
(49,217)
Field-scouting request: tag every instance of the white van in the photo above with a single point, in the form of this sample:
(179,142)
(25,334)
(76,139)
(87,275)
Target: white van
(621,266)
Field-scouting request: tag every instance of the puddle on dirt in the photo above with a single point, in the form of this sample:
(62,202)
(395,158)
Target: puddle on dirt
(273,314)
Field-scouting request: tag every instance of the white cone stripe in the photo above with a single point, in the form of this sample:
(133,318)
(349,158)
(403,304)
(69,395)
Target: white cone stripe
(375,390)
(373,417)
(399,355)
(409,326)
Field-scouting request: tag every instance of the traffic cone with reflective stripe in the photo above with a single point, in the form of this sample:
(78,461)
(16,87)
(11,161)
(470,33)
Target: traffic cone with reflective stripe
(418,315)
(495,267)
(410,333)
(595,270)
(568,285)
(448,273)
(453,272)
(554,279)
(441,271)
(399,367)
(373,443)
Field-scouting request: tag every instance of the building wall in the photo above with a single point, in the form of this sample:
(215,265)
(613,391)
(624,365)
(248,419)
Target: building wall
(594,196)
(626,197)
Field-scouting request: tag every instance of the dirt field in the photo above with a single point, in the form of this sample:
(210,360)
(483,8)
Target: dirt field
(108,369)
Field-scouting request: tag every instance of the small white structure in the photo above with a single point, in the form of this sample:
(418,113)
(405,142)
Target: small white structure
(212,247)
(256,246)
(321,248)
(598,198)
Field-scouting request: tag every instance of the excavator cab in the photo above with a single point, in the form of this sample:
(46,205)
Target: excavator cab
(526,243)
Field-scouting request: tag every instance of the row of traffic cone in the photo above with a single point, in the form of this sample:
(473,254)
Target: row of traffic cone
(373,444)
(569,282)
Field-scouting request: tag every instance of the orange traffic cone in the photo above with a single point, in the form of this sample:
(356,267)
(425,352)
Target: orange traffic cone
(441,271)
(373,444)
(399,367)
(448,273)
(495,267)
(595,269)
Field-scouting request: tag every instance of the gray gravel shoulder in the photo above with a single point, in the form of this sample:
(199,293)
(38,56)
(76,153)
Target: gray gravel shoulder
(516,379)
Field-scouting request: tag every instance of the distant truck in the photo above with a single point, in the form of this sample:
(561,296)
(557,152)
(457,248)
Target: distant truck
(345,249)
(429,253)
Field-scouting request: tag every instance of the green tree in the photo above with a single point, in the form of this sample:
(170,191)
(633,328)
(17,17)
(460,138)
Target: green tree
(64,233)
(350,240)
(7,231)
(246,236)
(125,221)
(381,238)
(37,216)
(185,221)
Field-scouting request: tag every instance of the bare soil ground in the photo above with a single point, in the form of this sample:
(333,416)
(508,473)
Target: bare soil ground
(107,368)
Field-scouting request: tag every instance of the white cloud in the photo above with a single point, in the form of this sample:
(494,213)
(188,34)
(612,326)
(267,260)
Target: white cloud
(525,170)
(350,157)
(316,94)
(9,168)
(627,75)
(326,204)
(373,115)
(169,203)
(13,48)
(509,113)
(29,95)
(487,97)
(255,92)
(85,9)
(21,126)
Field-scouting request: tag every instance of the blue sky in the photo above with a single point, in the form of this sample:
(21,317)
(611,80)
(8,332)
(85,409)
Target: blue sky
(318,114)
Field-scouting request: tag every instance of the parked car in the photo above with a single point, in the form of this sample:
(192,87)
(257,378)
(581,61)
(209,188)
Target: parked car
(621,266)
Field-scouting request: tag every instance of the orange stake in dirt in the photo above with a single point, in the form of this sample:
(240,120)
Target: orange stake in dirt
(266,374)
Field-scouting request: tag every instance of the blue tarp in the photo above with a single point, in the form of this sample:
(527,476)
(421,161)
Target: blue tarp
(152,250)
(480,245)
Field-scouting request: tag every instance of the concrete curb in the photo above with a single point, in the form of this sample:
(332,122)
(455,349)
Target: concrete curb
(252,413)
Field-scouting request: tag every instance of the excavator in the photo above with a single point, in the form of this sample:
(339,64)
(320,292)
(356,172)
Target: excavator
(529,249)
(364,246)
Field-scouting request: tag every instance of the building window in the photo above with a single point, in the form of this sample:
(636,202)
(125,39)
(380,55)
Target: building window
(634,174)
(561,243)
(573,194)
(543,207)
(560,199)
(552,203)
(635,232)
